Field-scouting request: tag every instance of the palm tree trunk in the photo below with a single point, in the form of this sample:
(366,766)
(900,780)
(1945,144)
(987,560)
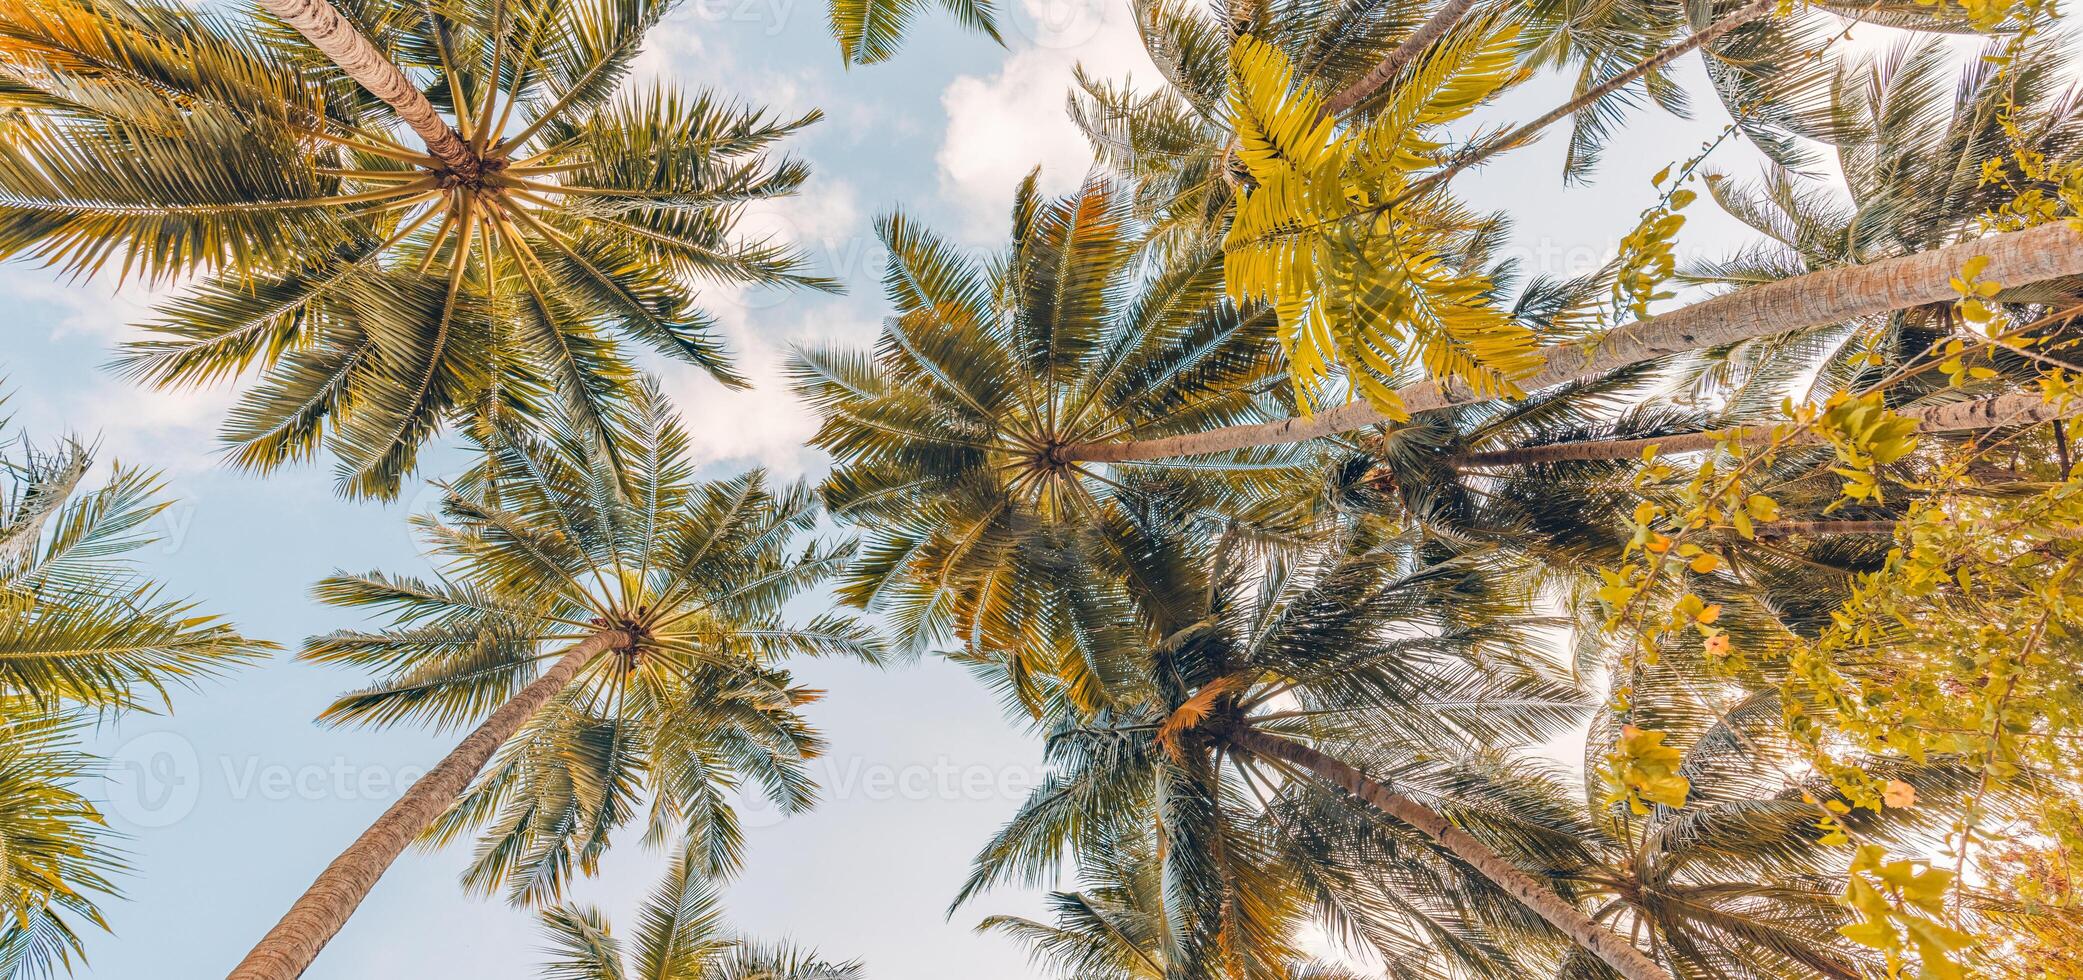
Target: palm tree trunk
(1985,413)
(2016,258)
(1610,947)
(1431,30)
(1525,134)
(335,37)
(288,948)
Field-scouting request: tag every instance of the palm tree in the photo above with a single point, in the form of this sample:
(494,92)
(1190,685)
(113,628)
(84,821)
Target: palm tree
(682,937)
(381,289)
(1176,146)
(1113,927)
(656,603)
(1385,647)
(1738,882)
(948,437)
(59,854)
(83,632)
(1830,296)
(1884,208)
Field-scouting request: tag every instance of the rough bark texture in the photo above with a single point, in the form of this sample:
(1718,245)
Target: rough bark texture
(336,38)
(1985,413)
(288,948)
(1833,295)
(1435,27)
(1610,947)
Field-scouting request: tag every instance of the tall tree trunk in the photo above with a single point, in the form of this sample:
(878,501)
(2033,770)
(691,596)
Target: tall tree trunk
(336,38)
(1610,947)
(1434,27)
(1584,100)
(1984,413)
(288,948)
(2016,258)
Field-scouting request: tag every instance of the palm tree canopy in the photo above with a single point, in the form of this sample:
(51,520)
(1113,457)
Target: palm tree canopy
(946,434)
(1392,647)
(83,632)
(680,936)
(1112,926)
(379,293)
(549,540)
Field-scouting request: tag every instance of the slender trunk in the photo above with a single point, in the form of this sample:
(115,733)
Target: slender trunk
(1441,21)
(1610,947)
(2016,258)
(288,948)
(1985,413)
(336,38)
(1525,134)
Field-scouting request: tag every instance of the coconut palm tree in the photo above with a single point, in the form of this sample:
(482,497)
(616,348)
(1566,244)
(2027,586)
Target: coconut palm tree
(1881,210)
(1374,647)
(84,634)
(542,214)
(1178,146)
(1822,298)
(1113,926)
(948,436)
(682,937)
(613,628)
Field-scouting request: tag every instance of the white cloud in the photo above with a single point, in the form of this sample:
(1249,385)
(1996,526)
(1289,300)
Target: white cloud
(1001,127)
(93,308)
(766,424)
(173,431)
(681,50)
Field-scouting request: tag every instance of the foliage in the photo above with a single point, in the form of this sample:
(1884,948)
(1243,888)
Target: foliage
(869,31)
(83,631)
(1359,264)
(1836,649)
(377,293)
(681,936)
(549,539)
(947,436)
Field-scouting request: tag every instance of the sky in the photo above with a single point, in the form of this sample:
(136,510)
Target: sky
(233,801)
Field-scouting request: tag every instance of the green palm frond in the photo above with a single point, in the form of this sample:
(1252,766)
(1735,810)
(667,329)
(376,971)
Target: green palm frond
(377,295)
(945,433)
(681,937)
(869,31)
(553,536)
(83,631)
(59,853)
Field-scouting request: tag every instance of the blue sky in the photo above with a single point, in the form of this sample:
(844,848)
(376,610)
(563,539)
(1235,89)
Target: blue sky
(234,801)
